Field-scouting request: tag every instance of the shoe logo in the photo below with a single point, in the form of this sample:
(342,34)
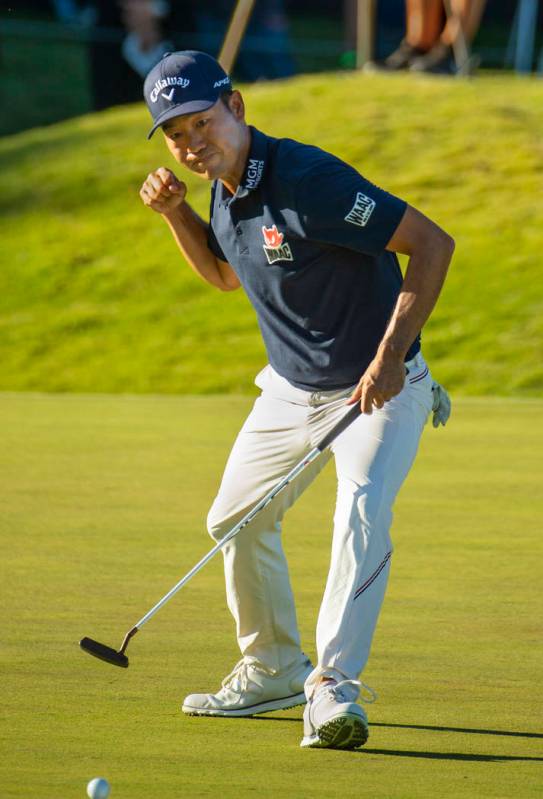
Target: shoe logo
(169,95)
(361,210)
(274,248)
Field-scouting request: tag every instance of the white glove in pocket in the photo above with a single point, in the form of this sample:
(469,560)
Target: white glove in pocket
(441,407)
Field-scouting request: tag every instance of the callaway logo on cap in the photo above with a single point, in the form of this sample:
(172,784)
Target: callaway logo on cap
(183,83)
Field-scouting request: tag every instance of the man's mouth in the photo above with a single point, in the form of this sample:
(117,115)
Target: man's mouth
(200,161)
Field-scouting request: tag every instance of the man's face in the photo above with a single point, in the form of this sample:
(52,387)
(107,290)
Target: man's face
(211,143)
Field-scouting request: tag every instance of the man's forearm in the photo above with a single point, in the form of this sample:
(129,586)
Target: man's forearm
(190,233)
(424,278)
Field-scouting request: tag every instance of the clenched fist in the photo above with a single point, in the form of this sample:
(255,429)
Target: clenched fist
(162,191)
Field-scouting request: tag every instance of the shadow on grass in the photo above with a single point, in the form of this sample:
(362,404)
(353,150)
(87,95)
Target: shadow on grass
(461,756)
(448,755)
(413,727)
(458,729)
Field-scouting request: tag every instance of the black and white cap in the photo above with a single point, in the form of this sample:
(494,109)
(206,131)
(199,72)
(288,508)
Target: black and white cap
(185,82)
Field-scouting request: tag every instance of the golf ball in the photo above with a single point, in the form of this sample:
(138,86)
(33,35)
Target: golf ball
(98,788)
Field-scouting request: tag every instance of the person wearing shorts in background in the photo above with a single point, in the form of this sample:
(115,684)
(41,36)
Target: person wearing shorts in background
(313,244)
(431,33)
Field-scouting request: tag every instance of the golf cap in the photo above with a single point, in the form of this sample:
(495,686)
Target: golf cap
(185,82)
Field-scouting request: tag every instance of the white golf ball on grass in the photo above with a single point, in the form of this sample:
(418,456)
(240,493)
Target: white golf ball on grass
(98,788)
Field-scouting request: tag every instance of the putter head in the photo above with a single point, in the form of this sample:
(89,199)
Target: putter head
(104,652)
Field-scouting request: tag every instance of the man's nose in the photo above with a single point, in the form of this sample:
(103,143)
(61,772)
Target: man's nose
(195,142)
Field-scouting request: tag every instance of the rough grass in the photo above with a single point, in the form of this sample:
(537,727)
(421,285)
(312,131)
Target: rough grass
(102,510)
(94,298)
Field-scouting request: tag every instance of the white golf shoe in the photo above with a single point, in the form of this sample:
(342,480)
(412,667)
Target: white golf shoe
(333,720)
(251,688)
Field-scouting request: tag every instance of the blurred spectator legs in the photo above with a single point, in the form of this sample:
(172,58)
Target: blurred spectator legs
(431,34)
(467,14)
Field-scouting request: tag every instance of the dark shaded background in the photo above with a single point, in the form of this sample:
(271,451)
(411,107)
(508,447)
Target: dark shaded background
(50,71)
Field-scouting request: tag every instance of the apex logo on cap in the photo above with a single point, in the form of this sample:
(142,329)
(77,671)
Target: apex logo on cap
(274,248)
(163,83)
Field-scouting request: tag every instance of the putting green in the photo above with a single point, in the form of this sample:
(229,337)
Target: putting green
(102,509)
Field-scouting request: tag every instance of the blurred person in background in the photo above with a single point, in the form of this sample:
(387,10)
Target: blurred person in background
(431,33)
(265,52)
(154,27)
(126,39)
(146,40)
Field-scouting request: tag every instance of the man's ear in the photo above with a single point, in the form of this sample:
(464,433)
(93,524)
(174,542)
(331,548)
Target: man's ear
(236,105)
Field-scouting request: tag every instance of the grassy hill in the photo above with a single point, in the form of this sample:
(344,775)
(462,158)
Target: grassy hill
(94,297)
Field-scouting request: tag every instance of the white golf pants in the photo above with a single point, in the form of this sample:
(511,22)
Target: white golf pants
(373,457)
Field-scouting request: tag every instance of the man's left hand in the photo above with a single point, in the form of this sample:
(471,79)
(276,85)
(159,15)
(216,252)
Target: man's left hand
(382,380)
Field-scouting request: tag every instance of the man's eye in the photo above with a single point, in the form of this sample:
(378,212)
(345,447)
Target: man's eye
(202,122)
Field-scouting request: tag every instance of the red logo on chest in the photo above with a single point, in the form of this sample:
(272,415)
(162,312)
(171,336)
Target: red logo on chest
(273,245)
(272,237)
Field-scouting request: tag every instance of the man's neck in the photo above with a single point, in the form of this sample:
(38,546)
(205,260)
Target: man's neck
(232,180)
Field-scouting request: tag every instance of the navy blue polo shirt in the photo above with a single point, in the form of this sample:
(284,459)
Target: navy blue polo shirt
(306,235)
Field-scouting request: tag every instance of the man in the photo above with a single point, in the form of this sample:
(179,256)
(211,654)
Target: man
(313,244)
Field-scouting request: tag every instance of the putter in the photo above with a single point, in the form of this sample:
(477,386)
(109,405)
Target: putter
(118,658)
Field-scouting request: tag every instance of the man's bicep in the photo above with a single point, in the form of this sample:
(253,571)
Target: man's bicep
(414,233)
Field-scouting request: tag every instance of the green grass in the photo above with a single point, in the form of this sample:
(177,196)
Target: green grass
(102,510)
(94,297)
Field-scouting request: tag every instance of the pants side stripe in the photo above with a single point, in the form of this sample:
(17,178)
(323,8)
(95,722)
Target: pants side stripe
(420,377)
(373,577)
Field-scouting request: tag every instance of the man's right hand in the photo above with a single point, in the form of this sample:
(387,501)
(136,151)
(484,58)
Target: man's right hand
(162,191)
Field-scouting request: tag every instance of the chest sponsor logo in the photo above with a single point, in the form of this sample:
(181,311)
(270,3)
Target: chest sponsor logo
(274,247)
(361,210)
(254,173)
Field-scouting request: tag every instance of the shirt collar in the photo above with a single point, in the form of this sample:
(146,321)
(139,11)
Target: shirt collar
(256,163)
(254,168)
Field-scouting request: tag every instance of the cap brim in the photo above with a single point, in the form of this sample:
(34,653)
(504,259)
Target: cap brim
(181,109)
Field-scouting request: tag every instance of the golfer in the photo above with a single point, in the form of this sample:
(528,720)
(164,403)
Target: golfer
(313,244)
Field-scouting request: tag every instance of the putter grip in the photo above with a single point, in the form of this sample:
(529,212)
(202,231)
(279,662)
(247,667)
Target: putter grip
(342,425)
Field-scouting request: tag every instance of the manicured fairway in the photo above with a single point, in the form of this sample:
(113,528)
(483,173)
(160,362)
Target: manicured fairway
(102,508)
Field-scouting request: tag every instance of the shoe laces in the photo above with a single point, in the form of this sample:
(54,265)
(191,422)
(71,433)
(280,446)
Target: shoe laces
(339,692)
(238,680)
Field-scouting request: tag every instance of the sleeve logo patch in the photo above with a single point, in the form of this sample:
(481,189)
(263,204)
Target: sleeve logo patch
(361,210)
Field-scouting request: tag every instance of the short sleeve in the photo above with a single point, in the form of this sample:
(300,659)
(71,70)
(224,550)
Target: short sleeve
(212,242)
(214,245)
(336,205)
